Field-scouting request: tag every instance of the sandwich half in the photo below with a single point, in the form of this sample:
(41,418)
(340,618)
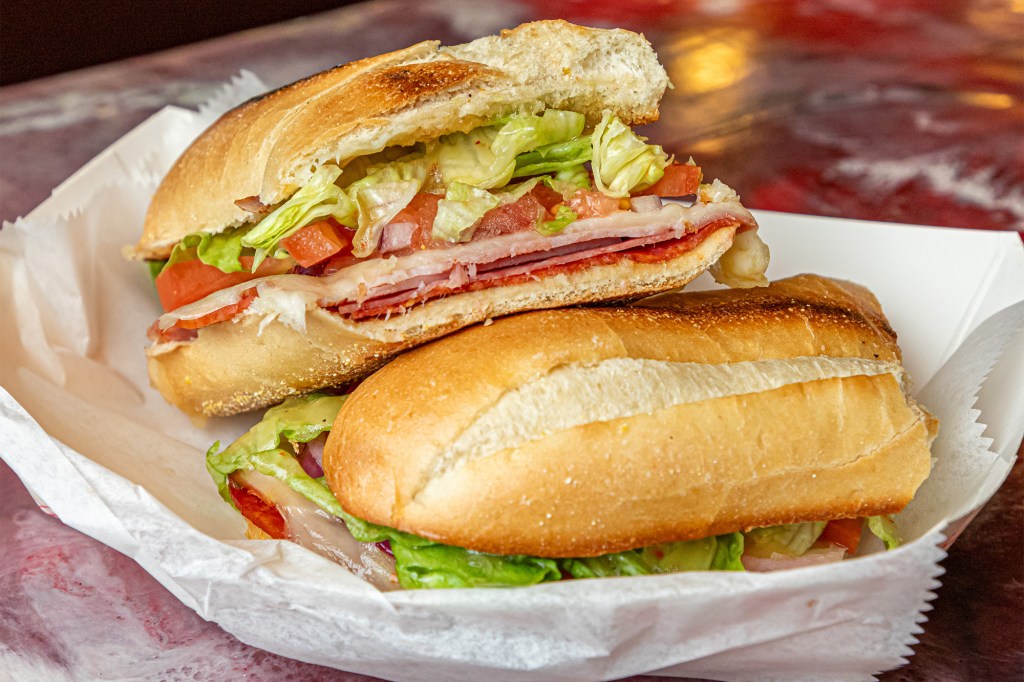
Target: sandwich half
(757,430)
(312,234)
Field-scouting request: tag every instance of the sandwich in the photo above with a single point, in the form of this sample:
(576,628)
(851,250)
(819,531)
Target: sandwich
(310,235)
(726,430)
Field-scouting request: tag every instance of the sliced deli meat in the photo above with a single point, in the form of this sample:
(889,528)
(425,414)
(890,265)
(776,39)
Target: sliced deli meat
(366,280)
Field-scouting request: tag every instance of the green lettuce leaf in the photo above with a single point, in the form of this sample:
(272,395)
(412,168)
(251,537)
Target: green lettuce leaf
(435,565)
(631,562)
(622,162)
(283,466)
(552,158)
(298,420)
(223,250)
(719,553)
(486,157)
(219,250)
(513,193)
(319,198)
(155,267)
(526,133)
(728,552)
(467,158)
(886,530)
(793,539)
(186,248)
(569,180)
(381,194)
(461,208)
(563,216)
(422,563)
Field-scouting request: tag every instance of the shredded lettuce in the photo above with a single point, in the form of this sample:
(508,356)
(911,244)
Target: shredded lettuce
(563,216)
(526,133)
(486,157)
(378,205)
(319,198)
(622,563)
(219,250)
(728,553)
(552,158)
(462,207)
(283,466)
(793,539)
(422,563)
(886,530)
(468,158)
(513,193)
(569,180)
(155,267)
(716,553)
(368,204)
(298,420)
(622,162)
(380,196)
(436,565)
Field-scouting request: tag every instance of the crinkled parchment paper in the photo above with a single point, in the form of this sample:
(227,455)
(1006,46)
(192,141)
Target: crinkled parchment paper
(91,440)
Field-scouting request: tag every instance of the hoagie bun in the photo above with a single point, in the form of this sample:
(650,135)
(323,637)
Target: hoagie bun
(575,433)
(267,146)
(394,274)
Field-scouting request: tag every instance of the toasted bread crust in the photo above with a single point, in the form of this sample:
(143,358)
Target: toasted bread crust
(234,367)
(266,147)
(831,447)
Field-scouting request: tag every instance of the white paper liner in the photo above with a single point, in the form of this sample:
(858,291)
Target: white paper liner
(110,458)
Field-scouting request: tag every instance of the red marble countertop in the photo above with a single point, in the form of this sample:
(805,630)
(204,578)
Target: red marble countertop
(901,111)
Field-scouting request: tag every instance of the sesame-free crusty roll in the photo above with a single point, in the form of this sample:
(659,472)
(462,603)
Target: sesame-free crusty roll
(582,432)
(317,231)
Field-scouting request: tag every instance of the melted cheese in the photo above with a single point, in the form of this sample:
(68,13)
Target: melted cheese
(310,526)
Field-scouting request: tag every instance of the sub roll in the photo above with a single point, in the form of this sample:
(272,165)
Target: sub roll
(310,235)
(753,429)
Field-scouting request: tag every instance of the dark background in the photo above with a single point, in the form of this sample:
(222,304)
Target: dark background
(43,38)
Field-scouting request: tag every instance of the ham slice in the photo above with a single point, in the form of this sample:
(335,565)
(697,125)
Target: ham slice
(648,250)
(373,279)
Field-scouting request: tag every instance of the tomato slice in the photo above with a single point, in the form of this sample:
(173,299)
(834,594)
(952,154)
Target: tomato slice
(317,242)
(188,281)
(589,204)
(221,314)
(680,180)
(258,511)
(843,532)
(518,216)
(421,210)
(548,197)
(169,335)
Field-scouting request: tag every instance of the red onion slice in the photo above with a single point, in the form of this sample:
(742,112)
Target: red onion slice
(397,236)
(645,204)
(311,456)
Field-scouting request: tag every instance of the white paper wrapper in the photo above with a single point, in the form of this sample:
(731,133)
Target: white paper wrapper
(91,440)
